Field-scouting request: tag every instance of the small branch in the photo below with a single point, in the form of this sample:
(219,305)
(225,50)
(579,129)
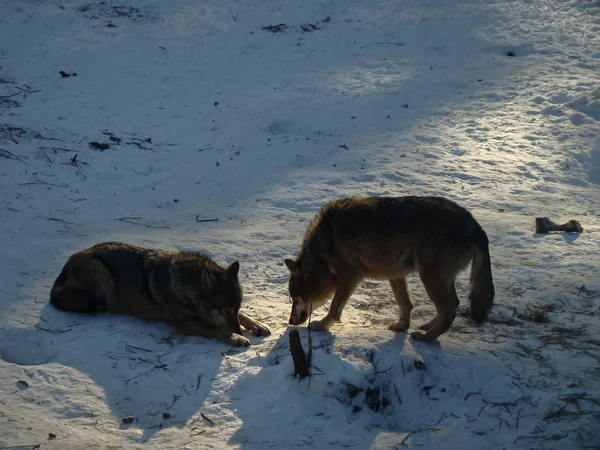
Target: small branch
(276,28)
(383,43)
(58,149)
(469,394)
(22,447)
(8,155)
(143,173)
(27,91)
(175,398)
(48,330)
(408,435)
(160,366)
(11,103)
(138,348)
(131,221)
(397,394)
(39,136)
(441,418)
(205,220)
(504,405)
(383,371)
(233,16)
(52,219)
(301,362)
(208,419)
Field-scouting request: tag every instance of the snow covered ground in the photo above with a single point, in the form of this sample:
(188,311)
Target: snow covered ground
(209,116)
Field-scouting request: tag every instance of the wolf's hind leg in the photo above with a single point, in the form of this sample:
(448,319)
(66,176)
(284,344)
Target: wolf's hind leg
(443,295)
(400,290)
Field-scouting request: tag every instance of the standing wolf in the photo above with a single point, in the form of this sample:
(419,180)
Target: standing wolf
(390,238)
(184,289)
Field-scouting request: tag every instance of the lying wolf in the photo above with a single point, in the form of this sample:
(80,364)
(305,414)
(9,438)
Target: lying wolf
(184,289)
(390,238)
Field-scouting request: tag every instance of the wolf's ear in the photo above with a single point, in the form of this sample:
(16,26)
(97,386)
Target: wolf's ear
(233,269)
(292,265)
(208,281)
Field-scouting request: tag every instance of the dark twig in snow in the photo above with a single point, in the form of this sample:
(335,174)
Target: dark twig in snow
(408,435)
(205,220)
(59,149)
(383,371)
(22,447)
(27,91)
(469,394)
(208,419)
(132,219)
(53,219)
(8,155)
(56,331)
(301,361)
(276,28)
(127,347)
(383,43)
(397,394)
(175,398)
(159,366)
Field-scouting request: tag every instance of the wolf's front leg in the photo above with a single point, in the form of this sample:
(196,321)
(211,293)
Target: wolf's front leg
(253,326)
(194,327)
(345,288)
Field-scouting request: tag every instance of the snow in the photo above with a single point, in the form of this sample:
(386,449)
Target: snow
(221,119)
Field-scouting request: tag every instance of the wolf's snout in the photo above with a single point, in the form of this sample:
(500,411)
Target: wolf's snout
(297,319)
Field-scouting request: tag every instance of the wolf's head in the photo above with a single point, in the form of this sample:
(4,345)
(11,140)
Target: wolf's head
(215,294)
(310,286)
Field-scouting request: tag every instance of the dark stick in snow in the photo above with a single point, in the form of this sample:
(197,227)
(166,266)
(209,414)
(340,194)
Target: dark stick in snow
(131,221)
(205,220)
(301,361)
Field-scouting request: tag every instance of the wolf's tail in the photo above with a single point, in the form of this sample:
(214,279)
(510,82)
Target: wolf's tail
(482,284)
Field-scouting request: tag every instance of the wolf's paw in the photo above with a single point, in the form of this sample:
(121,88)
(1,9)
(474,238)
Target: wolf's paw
(319,325)
(421,335)
(401,325)
(237,340)
(427,325)
(259,329)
